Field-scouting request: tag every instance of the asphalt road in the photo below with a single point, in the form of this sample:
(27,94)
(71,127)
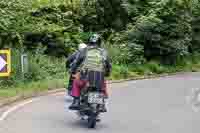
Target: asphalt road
(159,105)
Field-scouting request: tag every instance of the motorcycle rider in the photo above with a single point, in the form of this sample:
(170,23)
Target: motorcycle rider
(91,66)
(69,63)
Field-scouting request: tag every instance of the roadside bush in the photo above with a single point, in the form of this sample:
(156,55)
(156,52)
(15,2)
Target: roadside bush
(40,67)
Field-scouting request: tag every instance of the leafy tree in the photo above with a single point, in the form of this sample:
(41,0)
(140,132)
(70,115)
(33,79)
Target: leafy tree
(195,27)
(165,32)
(102,15)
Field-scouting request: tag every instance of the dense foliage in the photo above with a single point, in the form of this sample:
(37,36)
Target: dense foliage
(134,31)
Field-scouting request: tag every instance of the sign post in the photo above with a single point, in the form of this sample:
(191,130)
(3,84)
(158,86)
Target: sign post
(5,63)
(24,64)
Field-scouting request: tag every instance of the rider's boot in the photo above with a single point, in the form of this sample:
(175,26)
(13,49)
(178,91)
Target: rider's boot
(75,105)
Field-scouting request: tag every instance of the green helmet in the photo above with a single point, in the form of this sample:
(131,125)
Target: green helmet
(95,39)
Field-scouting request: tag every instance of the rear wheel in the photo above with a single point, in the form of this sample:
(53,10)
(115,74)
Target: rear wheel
(92,122)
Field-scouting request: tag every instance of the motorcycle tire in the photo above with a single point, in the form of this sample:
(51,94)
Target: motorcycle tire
(92,122)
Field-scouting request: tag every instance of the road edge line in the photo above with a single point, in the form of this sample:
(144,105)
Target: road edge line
(14,108)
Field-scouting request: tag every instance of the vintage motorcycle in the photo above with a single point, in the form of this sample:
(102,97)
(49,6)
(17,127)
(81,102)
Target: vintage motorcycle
(91,102)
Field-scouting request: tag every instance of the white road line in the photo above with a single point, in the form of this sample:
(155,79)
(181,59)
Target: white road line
(5,114)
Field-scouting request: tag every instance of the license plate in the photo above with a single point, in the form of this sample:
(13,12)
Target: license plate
(96,98)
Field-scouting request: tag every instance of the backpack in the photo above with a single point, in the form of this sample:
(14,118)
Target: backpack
(94,60)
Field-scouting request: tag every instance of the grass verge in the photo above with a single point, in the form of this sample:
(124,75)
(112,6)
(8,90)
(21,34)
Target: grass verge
(119,72)
(152,68)
(31,87)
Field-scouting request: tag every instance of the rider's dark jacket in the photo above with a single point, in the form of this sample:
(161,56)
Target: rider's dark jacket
(81,55)
(95,78)
(71,59)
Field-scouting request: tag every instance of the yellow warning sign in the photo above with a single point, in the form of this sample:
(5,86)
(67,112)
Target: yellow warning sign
(5,63)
